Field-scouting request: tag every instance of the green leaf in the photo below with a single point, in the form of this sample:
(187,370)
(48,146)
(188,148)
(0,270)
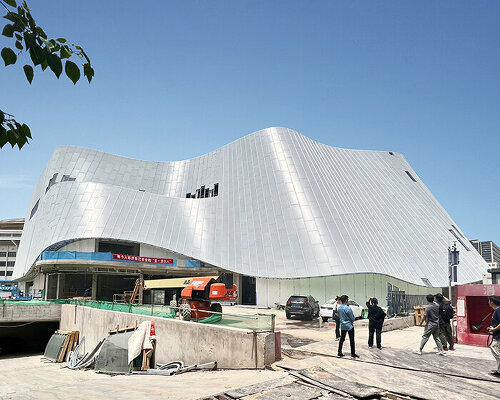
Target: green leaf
(34,54)
(72,71)
(40,32)
(55,64)
(11,16)
(47,43)
(44,64)
(61,40)
(88,71)
(3,136)
(19,45)
(11,3)
(65,52)
(26,130)
(2,117)
(28,71)
(8,55)
(8,30)
(19,36)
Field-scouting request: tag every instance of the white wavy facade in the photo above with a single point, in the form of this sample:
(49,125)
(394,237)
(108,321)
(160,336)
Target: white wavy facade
(287,207)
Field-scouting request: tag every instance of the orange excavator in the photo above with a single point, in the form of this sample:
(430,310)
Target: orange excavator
(199,296)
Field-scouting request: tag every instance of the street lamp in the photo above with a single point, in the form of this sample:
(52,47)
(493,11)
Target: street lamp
(453,260)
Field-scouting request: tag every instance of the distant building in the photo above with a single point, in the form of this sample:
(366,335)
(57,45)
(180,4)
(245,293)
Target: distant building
(489,251)
(491,254)
(10,236)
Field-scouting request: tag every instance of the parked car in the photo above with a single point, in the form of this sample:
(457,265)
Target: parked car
(303,306)
(326,310)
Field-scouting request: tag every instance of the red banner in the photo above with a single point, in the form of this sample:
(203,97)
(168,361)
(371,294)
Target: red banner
(152,260)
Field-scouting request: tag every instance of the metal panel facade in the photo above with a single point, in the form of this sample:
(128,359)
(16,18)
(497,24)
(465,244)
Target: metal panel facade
(287,207)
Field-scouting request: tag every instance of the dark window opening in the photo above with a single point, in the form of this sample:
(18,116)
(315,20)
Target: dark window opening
(411,177)
(3,253)
(35,207)
(12,254)
(67,178)
(52,182)
(119,248)
(2,264)
(391,153)
(10,263)
(204,192)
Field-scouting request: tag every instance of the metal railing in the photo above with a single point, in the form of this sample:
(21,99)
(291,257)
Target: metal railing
(255,322)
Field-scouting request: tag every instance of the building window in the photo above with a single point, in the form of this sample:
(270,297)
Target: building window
(411,177)
(67,178)
(10,263)
(426,282)
(391,153)
(2,273)
(12,253)
(3,253)
(35,207)
(9,273)
(2,263)
(52,182)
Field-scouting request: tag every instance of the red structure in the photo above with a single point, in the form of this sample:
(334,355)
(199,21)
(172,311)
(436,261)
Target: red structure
(474,313)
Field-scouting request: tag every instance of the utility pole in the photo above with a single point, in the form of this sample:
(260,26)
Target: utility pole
(453,260)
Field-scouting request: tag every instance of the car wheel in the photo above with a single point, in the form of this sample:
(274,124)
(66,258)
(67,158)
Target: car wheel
(288,316)
(325,319)
(309,316)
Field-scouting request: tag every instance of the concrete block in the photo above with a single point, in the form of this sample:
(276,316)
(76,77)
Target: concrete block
(190,342)
(29,312)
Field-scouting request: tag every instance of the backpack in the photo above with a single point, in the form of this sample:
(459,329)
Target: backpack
(447,311)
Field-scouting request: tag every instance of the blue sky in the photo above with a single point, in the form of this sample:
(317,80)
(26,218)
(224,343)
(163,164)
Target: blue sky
(176,79)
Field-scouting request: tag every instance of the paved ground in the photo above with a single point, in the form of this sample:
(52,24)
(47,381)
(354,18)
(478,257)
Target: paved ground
(305,345)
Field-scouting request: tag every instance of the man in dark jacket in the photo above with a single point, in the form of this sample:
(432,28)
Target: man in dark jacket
(376,318)
(446,315)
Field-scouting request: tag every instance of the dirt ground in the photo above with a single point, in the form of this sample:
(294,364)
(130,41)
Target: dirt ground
(303,342)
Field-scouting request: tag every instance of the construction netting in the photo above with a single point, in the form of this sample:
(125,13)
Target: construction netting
(252,322)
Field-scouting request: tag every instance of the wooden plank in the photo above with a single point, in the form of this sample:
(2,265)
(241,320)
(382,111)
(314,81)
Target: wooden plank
(414,384)
(258,387)
(76,340)
(70,345)
(335,391)
(337,382)
(60,357)
(432,363)
(288,392)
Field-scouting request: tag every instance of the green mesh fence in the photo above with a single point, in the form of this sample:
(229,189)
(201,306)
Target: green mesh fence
(254,322)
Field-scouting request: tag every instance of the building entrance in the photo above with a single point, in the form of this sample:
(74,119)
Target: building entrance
(248,290)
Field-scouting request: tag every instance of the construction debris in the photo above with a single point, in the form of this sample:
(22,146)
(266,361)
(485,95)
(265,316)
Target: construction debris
(175,368)
(60,345)
(87,360)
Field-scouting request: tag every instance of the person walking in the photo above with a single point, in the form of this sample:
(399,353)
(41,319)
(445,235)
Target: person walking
(376,318)
(336,317)
(346,326)
(431,318)
(446,313)
(494,329)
